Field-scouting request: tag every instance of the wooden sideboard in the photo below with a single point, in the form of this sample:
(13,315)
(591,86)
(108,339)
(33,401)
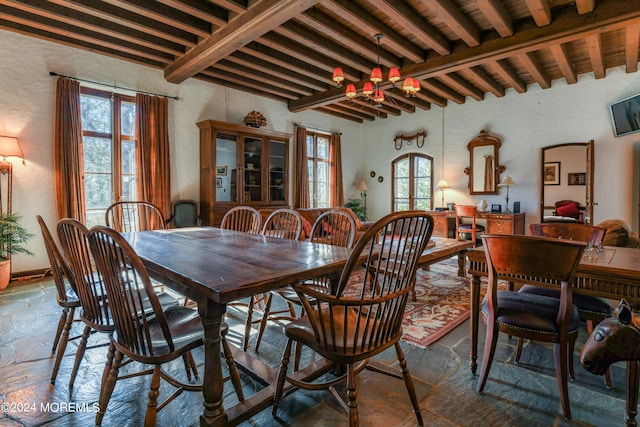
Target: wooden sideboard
(495,223)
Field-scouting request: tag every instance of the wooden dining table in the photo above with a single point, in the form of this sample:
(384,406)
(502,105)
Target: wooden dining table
(614,274)
(213,267)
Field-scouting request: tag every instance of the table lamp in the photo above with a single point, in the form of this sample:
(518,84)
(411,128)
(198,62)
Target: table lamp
(362,187)
(507,182)
(9,147)
(442,185)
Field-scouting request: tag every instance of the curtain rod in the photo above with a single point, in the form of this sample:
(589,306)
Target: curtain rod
(316,129)
(53,73)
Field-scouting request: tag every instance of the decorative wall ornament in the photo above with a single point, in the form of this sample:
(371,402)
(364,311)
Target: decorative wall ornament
(254,119)
(409,139)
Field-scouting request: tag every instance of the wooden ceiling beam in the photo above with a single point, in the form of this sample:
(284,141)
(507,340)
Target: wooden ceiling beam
(339,115)
(403,15)
(220,73)
(594,47)
(370,24)
(483,80)
(504,69)
(585,6)
(461,85)
(443,90)
(282,60)
(367,106)
(561,56)
(266,79)
(533,66)
(540,11)
(202,10)
(632,45)
(263,17)
(456,21)
(497,15)
(342,109)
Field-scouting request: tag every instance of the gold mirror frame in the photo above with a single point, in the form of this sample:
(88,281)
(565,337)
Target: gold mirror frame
(484,172)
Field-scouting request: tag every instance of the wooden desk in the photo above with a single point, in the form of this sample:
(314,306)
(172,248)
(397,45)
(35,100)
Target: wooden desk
(615,274)
(444,223)
(213,267)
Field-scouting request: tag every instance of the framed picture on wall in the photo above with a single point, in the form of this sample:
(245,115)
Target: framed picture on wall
(552,173)
(218,182)
(221,170)
(577,179)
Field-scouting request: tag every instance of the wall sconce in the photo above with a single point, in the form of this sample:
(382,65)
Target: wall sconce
(9,147)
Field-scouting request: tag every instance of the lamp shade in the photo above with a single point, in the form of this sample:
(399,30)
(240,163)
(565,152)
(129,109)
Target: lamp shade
(367,89)
(507,182)
(394,75)
(9,147)
(443,184)
(362,186)
(338,75)
(376,75)
(351,90)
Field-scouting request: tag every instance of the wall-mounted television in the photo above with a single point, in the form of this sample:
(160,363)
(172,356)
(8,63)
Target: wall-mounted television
(625,115)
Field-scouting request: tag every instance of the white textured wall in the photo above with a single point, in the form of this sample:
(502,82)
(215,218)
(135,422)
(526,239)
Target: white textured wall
(525,122)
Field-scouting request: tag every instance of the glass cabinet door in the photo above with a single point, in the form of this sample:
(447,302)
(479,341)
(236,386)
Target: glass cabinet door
(226,164)
(277,162)
(252,170)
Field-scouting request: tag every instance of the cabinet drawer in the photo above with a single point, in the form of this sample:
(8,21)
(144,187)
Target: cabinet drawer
(499,226)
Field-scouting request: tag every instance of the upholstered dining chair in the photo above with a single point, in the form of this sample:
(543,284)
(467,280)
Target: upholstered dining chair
(593,310)
(66,296)
(467,212)
(541,261)
(152,337)
(184,213)
(333,227)
(242,218)
(362,318)
(129,216)
(74,239)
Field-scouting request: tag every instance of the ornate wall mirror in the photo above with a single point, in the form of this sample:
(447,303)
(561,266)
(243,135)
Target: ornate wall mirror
(566,177)
(484,172)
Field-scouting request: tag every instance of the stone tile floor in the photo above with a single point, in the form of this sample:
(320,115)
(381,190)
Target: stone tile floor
(515,395)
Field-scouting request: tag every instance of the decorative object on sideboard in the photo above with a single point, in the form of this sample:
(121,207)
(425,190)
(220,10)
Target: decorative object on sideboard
(399,139)
(442,184)
(507,182)
(516,207)
(371,90)
(482,205)
(254,119)
(496,208)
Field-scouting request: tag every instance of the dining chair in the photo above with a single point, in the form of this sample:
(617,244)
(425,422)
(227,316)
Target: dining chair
(360,319)
(184,213)
(242,218)
(593,310)
(247,220)
(66,296)
(541,261)
(74,239)
(334,227)
(281,224)
(151,337)
(130,216)
(467,212)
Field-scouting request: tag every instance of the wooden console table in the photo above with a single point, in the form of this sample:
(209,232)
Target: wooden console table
(444,223)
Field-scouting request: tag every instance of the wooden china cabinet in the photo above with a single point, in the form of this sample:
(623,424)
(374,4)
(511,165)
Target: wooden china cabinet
(241,165)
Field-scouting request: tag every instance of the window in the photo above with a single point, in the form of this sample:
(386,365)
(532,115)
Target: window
(108,141)
(319,166)
(412,184)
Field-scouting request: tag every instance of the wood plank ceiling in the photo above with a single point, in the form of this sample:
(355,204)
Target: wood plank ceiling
(287,49)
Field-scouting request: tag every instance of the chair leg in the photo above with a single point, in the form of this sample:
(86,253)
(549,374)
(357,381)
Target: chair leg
(187,365)
(62,340)
(233,370)
(408,381)
(489,350)
(519,349)
(263,321)
(108,386)
(152,403)
(82,346)
(108,364)
(282,375)
(560,358)
(572,345)
(298,355)
(61,323)
(352,397)
(248,323)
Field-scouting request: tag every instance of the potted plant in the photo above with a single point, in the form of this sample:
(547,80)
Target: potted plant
(13,237)
(356,206)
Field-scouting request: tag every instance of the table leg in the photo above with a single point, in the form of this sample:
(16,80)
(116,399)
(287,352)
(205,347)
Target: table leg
(212,382)
(475,314)
(462,260)
(632,393)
